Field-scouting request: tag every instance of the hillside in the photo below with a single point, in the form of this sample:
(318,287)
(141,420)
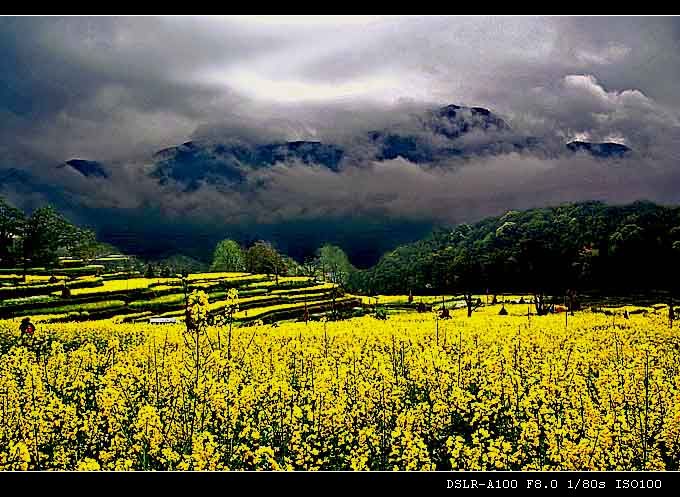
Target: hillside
(588,246)
(80,293)
(222,182)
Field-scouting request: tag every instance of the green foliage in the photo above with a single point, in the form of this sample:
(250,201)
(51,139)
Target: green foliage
(12,292)
(629,237)
(150,271)
(228,257)
(90,307)
(292,267)
(74,272)
(334,264)
(12,224)
(48,234)
(43,237)
(182,264)
(584,246)
(263,258)
(380,313)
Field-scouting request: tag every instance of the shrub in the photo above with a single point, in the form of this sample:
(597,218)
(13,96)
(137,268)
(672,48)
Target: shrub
(380,313)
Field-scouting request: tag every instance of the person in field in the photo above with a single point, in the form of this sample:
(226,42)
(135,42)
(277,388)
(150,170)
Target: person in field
(671,314)
(26,329)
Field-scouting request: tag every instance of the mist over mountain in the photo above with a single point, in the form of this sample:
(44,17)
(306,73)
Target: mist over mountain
(247,175)
(229,163)
(438,136)
(599,149)
(87,168)
(167,134)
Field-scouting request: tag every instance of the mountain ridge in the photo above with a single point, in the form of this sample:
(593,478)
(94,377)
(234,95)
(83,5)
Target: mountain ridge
(434,136)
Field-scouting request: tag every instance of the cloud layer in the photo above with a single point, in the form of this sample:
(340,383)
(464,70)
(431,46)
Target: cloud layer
(116,90)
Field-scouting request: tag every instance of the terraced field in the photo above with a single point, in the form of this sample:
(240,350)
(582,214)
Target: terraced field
(104,289)
(76,291)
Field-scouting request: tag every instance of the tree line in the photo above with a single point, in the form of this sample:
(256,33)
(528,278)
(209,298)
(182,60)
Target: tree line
(40,238)
(557,251)
(580,247)
(330,263)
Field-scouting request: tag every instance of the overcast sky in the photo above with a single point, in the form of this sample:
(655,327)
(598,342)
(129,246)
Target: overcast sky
(108,87)
(117,89)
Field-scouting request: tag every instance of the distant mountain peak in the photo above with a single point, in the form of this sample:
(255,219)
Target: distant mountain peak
(436,135)
(87,168)
(481,110)
(601,150)
(193,163)
(449,110)
(453,121)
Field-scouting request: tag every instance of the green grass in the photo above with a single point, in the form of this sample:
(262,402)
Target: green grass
(221,304)
(217,276)
(71,262)
(88,307)
(41,289)
(19,270)
(117,286)
(164,300)
(112,258)
(260,311)
(31,279)
(82,270)
(282,280)
(301,297)
(304,289)
(163,287)
(256,312)
(177,299)
(29,300)
(121,275)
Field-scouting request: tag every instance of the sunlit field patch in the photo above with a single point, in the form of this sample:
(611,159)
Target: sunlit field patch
(409,392)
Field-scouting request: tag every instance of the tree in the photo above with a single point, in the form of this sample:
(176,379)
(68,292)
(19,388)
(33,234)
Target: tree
(150,272)
(292,267)
(82,243)
(47,233)
(228,257)
(671,275)
(263,258)
(443,262)
(628,245)
(12,225)
(334,263)
(308,267)
(467,274)
(586,247)
(535,269)
(182,264)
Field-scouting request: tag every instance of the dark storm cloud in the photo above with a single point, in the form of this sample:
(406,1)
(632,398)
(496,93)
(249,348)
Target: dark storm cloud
(149,82)
(112,87)
(118,89)
(401,190)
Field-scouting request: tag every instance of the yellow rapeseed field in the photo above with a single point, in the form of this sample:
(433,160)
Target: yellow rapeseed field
(410,392)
